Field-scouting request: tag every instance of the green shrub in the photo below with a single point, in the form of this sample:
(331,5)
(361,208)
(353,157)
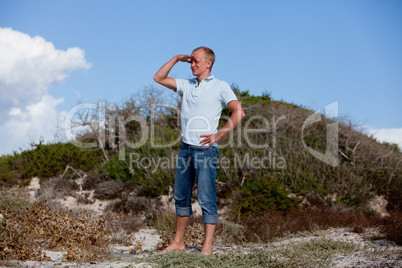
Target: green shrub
(45,161)
(153,168)
(257,197)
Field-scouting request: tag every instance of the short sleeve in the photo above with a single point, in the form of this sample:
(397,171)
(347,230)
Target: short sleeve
(226,94)
(181,85)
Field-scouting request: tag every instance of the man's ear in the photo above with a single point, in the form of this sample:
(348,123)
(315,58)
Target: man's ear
(209,64)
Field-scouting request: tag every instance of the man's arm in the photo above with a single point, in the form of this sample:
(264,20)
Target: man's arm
(161,76)
(237,115)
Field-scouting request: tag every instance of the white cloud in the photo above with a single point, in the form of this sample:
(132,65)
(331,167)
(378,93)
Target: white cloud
(29,67)
(390,135)
(35,121)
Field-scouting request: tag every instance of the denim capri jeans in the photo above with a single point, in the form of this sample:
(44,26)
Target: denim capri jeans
(197,164)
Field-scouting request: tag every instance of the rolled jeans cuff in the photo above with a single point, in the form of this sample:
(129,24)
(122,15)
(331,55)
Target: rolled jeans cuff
(184,211)
(211,219)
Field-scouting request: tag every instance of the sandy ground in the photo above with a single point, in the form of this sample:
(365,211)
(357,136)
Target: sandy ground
(380,253)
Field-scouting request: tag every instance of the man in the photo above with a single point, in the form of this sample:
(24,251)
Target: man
(203,100)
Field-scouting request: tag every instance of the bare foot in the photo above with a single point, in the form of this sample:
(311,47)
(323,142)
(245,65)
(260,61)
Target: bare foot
(172,247)
(206,252)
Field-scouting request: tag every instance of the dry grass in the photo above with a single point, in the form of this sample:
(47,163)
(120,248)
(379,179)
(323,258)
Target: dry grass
(275,224)
(10,264)
(228,232)
(272,225)
(315,252)
(165,221)
(122,226)
(8,202)
(25,233)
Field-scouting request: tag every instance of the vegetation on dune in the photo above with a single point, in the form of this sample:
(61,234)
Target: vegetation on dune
(312,253)
(46,161)
(266,153)
(272,184)
(255,198)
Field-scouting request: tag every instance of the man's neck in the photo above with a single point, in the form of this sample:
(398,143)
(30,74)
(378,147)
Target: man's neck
(202,77)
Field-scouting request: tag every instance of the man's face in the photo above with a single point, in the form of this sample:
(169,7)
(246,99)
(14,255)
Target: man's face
(199,63)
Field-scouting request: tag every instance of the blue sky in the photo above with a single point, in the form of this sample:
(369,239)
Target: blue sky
(310,53)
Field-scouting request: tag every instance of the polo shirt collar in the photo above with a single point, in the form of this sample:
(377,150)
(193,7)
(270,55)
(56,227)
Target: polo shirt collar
(195,81)
(209,78)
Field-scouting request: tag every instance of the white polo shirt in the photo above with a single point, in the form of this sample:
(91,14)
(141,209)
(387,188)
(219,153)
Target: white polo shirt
(202,106)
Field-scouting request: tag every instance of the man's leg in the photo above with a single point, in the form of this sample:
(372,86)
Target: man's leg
(209,235)
(206,163)
(178,241)
(183,184)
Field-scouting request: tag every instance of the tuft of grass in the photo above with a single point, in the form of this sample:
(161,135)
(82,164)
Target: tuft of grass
(8,202)
(230,232)
(14,264)
(185,259)
(312,253)
(315,252)
(165,221)
(323,245)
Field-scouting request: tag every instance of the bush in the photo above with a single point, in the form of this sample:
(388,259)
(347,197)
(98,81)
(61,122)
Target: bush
(46,161)
(395,192)
(137,204)
(276,224)
(109,189)
(391,227)
(257,197)
(56,188)
(152,168)
(90,182)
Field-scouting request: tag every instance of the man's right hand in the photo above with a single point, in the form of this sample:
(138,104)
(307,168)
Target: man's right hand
(184,58)
(161,77)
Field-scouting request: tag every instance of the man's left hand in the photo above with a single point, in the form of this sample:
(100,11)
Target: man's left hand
(209,139)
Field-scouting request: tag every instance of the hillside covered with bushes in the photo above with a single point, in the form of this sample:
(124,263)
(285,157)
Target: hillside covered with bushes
(264,163)
(284,170)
